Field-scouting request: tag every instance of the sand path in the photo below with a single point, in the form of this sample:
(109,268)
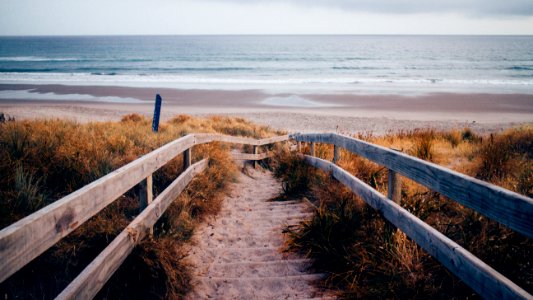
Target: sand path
(238,253)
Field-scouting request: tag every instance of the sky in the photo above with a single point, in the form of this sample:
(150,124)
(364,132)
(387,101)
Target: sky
(111,17)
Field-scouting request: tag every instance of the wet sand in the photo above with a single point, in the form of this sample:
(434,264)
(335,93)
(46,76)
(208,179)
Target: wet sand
(294,112)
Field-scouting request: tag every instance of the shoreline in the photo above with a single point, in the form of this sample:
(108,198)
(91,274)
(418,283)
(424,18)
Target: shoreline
(304,112)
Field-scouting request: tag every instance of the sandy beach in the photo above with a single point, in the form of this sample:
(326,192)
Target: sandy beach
(344,112)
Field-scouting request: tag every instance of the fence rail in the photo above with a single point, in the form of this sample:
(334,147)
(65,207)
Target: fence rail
(504,206)
(29,237)
(96,274)
(474,272)
(488,199)
(24,240)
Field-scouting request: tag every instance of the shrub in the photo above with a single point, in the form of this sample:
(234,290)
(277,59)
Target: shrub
(44,160)
(180,119)
(293,172)
(501,155)
(423,144)
(132,118)
(373,261)
(454,137)
(27,188)
(363,255)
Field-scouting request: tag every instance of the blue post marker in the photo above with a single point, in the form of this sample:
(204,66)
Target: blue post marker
(157,112)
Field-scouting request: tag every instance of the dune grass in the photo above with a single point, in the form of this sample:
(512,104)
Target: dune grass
(366,258)
(44,160)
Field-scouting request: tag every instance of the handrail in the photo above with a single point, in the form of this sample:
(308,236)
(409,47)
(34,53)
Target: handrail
(486,281)
(24,240)
(96,274)
(251,156)
(504,206)
(27,238)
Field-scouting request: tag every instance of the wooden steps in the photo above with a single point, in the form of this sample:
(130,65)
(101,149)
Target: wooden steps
(238,254)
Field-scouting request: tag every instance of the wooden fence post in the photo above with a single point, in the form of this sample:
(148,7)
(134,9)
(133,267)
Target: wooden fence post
(255,152)
(394,192)
(312,149)
(395,187)
(157,112)
(187,158)
(146,195)
(336,154)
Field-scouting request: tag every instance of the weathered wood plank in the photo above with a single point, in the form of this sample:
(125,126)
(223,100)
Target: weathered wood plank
(146,193)
(26,239)
(394,192)
(210,137)
(509,208)
(250,156)
(96,274)
(479,276)
(187,158)
(272,140)
(255,151)
(336,154)
(312,149)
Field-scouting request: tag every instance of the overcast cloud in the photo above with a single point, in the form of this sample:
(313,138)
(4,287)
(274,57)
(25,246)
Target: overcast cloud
(470,7)
(105,17)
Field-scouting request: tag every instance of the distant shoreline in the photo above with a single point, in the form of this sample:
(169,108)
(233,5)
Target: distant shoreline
(291,111)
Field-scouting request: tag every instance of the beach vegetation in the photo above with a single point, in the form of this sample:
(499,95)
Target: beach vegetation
(366,257)
(41,161)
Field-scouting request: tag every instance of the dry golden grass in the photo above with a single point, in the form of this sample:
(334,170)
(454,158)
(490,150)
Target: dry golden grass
(44,160)
(367,259)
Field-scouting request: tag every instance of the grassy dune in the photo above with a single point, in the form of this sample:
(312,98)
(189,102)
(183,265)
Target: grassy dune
(368,259)
(42,161)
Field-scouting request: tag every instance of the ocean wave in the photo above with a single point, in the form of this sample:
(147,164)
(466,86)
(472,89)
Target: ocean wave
(28,70)
(354,58)
(105,74)
(203,69)
(34,58)
(522,76)
(358,68)
(70,59)
(113,78)
(122,70)
(521,68)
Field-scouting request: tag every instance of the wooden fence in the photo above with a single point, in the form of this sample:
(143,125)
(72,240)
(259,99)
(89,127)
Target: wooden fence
(26,239)
(501,205)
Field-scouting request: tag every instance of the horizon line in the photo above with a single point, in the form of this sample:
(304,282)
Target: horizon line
(264,34)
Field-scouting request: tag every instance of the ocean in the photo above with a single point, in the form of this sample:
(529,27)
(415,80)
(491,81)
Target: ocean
(358,64)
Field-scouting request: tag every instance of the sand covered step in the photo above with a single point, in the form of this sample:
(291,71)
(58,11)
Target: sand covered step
(242,254)
(260,201)
(259,216)
(280,287)
(245,242)
(290,209)
(271,268)
(273,225)
(238,254)
(240,219)
(244,230)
